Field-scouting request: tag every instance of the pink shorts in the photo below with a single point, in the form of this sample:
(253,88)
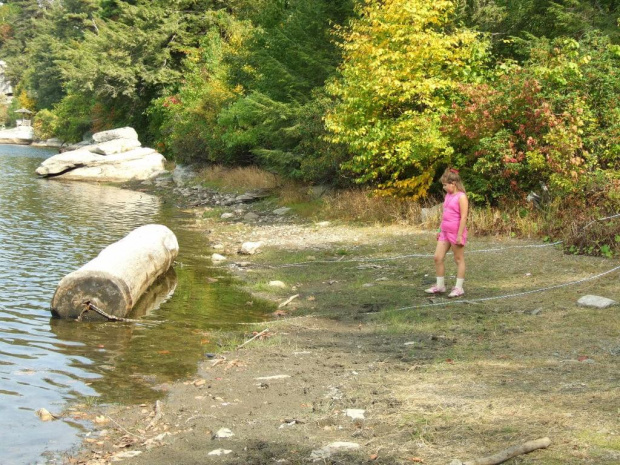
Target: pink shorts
(450,236)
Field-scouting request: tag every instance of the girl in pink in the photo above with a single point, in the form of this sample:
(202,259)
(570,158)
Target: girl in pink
(452,234)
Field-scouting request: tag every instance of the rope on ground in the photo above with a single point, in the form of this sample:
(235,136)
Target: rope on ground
(509,296)
(399,257)
(469,301)
(601,219)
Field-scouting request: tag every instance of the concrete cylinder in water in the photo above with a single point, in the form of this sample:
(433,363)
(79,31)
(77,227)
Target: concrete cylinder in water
(119,275)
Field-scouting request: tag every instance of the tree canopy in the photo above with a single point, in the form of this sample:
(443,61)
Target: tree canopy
(383,93)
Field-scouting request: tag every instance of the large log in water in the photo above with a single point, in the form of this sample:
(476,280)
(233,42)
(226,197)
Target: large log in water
(118,276)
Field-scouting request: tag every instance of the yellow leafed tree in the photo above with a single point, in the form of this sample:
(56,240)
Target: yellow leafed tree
(402,61)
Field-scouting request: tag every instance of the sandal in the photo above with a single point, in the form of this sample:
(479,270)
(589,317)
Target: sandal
(435,290)
(456,292)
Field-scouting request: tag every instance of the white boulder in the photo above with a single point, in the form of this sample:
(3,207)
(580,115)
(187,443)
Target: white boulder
(112,147)
(116,156)
(21,135)
(113,134)
(595,301)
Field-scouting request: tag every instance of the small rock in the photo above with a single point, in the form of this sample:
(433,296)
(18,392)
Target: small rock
(223,433)
(220,452)
(217,258)
(355,413)
(537,311)
(226,216)
(264,378)
(251,216)
(45,415)
(281,211)
(330,449)
(278,284)
(125,455)
(595,301)
(250,248)
(323,224)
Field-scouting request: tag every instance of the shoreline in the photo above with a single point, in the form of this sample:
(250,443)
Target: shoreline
(377,387)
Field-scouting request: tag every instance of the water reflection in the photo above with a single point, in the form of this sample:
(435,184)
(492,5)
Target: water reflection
(159,292)
(49,228)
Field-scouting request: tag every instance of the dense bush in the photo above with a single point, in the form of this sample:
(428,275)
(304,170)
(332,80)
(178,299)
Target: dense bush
(553,120)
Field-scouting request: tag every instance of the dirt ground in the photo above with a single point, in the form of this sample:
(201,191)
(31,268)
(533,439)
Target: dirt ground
(364,361)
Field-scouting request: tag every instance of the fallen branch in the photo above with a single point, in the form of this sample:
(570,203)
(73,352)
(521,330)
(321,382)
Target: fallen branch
(256,336)
(509,453)
(157,417)
(119,426)
(288,301)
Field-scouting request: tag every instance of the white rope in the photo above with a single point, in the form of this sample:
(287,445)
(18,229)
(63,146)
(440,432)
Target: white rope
(508,296)
(399,257)
(601,219)
(450,302)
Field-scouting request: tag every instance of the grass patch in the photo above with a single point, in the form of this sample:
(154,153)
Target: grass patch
(504,371)
(237,180)
(213,212)
(602,440)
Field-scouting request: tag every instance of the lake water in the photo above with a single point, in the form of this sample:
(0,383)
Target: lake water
(49,228)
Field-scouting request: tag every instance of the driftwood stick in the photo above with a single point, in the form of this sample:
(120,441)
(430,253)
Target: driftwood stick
(288,301)
(119,426)
(511,452)
(158,415)
(250,340)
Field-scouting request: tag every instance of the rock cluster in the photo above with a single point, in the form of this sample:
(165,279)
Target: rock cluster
(112,156)
(199,196)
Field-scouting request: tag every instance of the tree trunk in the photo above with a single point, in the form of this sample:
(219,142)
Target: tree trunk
(116,279)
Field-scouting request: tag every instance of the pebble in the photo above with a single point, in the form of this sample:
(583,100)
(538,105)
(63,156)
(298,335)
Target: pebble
(355,414)
(223,433)
(326,452)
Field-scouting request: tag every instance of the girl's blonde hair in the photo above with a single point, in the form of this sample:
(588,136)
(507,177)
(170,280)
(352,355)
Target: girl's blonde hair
(451,175)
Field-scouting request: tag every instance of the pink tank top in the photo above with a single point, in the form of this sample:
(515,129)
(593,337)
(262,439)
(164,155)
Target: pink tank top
(451,211)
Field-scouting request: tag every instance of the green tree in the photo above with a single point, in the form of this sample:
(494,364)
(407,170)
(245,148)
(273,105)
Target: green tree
(251,90)
(506,20)
(403,59)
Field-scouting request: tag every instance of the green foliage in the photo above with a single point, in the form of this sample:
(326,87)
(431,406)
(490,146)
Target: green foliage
(409,90)
(552,120)
(74,111)
(185,122)
(248,91)
(403,59)
(45,124)
(506,19)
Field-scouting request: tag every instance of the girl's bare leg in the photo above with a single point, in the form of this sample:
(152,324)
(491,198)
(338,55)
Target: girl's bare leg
(459,259)
(440,254)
